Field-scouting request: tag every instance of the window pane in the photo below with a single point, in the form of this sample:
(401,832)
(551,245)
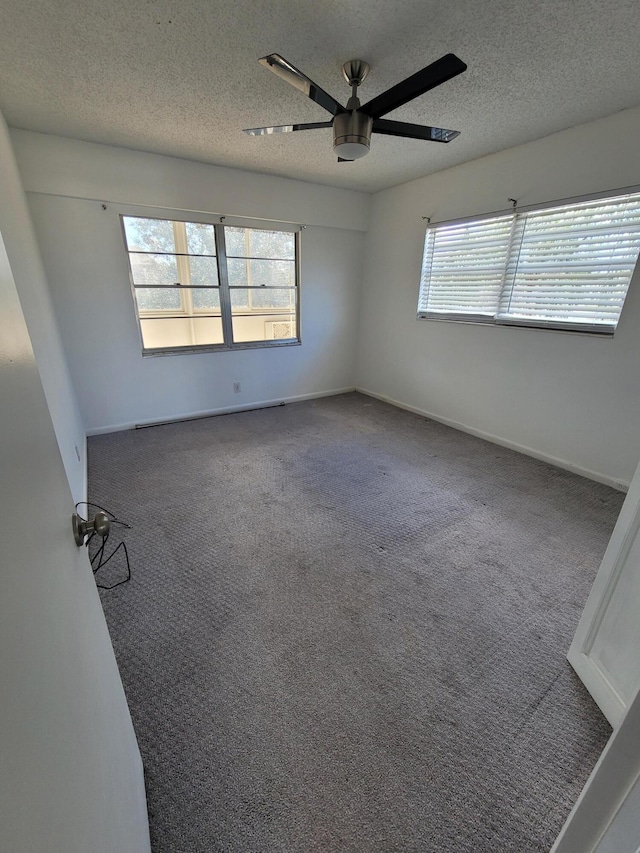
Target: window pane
(255,243)
(154,269)
(176,332)
(204,271)
(264,299)
(158,298)
(271,244)
(272,273)
(268,298)
(260,327)
(207,299)
(235,242)
(149,235)
(239,299)
(200,238)
(258,273)
(207,330)
(238,271)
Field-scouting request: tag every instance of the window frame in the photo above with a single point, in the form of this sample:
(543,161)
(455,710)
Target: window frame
(601,331)
(218,222)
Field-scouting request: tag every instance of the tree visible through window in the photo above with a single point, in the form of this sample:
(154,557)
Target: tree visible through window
(199,285)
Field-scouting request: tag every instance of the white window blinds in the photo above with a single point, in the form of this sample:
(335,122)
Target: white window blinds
(464,266)
(564,267)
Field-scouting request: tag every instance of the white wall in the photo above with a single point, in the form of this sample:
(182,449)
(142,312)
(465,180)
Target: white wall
(34,295)
(70,772)
(570,398)
(82,249)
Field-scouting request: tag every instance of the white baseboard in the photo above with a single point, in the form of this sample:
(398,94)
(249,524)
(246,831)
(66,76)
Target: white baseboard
(224,410)
(503,442)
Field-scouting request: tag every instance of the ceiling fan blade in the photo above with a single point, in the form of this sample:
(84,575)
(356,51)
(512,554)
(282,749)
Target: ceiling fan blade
(414,131)
(285,128)
(433,75)
(276,63)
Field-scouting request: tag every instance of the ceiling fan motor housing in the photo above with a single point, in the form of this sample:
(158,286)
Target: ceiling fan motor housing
(352,134)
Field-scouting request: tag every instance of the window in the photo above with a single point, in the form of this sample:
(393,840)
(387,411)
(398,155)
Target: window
(564,267)
(202,286)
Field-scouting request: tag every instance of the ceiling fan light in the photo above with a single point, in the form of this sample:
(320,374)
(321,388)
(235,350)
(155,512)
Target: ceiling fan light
(352,134)
(351,150)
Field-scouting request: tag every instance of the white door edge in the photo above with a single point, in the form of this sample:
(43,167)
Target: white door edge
(610,696)
(601,689)
(598,812)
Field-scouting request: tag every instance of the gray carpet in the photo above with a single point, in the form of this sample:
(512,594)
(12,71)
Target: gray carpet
(346,631)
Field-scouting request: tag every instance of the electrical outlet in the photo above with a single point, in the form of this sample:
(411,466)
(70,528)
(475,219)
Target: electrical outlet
(236,387)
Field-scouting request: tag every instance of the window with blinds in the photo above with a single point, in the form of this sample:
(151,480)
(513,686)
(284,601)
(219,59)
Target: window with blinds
(565,267)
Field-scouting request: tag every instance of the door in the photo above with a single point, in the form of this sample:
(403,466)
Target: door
(604,651)
(70,771)
(606,816)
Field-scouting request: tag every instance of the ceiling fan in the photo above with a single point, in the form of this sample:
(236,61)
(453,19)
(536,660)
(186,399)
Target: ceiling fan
(354,124)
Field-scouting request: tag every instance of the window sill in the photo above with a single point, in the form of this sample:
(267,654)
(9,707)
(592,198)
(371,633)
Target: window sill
(209,315)
(588,333)
(196,350)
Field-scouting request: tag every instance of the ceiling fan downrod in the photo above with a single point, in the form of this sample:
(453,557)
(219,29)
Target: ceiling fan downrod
(352,129)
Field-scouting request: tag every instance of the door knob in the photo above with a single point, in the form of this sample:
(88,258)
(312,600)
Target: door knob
(99,524)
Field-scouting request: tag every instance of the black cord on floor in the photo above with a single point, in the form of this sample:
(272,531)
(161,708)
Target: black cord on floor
(98,560)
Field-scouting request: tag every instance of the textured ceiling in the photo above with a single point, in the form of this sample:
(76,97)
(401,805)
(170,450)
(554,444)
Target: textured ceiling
(181,77)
